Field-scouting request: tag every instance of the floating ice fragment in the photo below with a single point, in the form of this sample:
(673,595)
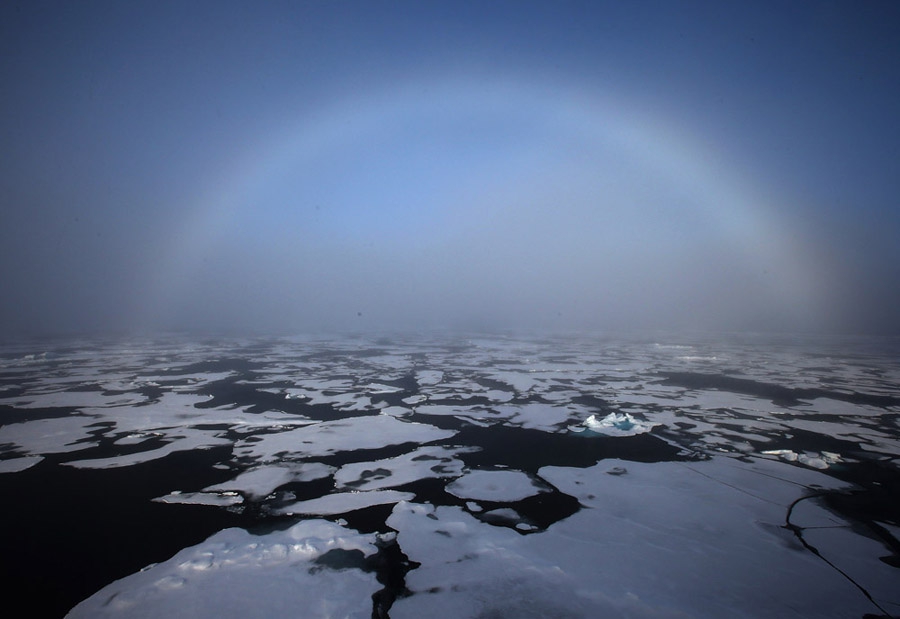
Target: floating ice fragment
(423,463)
(831,457)
(329,437)
(506,516)
(220,499)
(225,576)
(14,465)
(813,462)
(785,454)
(343,502)
(495,486)
(262,481)
(429,377)
(44,436)
(136,438)
(503,515)
(193,439)
(618,424)
(821,460)
(395,411)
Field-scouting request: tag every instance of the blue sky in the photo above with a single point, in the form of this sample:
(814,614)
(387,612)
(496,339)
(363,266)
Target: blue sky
(301,166)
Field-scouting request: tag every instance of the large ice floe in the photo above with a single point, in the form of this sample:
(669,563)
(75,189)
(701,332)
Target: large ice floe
(236,574)
(466,477)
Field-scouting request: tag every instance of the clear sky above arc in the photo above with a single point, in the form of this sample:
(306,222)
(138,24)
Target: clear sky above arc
(333,166)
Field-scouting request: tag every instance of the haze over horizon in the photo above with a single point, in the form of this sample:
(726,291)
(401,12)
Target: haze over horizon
(322,166)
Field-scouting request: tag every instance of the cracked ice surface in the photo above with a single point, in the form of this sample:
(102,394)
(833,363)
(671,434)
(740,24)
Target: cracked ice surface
(710,529)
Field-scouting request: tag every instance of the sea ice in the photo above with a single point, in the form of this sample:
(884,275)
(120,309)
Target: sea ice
(819,461)
(77,399)
(217,499)
(537,416)
(45,436)
(14,465)
(189,441)
(396,411)
(495,486)
(703,538)
(423,463)
(696,524)
(343,502)
(471,569)
(429,377)
(618,424)
(328,437)
(236,574)
(261,481)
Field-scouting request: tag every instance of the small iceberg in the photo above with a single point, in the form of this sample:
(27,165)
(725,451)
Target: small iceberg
(618,424)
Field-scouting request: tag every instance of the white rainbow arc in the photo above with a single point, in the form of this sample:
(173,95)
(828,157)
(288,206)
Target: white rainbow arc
(736,208)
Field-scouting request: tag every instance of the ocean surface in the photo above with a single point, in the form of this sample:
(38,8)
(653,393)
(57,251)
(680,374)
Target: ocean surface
(461,475)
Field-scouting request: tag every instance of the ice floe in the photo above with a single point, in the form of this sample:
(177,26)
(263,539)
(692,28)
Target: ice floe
(236,574)
(618,424)
(422,463)
(328,437)
(495,486)
(188,442)
(46,436)
(217,499)
(261,481)
(343,502)
(14,465)
(821,460)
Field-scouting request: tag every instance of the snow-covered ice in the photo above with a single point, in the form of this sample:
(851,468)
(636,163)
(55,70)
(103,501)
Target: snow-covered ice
(495,486)
(236,574)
